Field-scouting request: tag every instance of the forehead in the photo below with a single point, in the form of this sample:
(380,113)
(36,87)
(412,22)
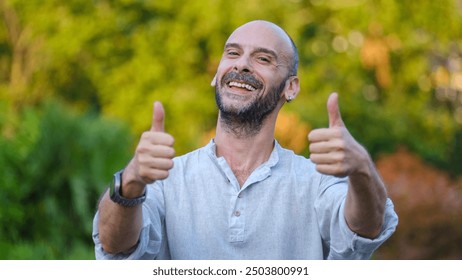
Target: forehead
(261,35)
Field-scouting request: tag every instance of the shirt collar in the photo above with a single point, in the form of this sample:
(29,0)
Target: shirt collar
(211,149)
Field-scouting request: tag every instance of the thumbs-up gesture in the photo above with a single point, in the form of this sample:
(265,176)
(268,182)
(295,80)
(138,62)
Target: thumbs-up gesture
(154,154)
(333,150)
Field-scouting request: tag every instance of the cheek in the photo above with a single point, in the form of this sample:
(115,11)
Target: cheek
(224,65)
(219,74)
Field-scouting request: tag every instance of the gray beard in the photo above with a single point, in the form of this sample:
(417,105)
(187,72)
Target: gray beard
(248,121)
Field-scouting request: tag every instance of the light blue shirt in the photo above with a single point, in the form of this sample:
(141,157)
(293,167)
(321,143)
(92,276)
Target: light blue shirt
(285,210)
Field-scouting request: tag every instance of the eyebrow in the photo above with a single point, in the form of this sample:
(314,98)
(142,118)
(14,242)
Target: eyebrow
(258,50)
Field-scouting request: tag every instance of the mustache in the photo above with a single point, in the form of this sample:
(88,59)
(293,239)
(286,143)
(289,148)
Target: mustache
(241,78)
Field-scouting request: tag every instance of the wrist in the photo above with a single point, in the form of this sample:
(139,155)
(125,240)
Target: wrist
(131,186)
(366,165)
(127,199)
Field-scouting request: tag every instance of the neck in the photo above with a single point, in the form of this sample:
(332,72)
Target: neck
(245,152)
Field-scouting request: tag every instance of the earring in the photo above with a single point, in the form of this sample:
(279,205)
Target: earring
(290,99)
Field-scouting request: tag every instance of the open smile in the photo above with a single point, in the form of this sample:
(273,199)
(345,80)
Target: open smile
(243,81)
(241,85)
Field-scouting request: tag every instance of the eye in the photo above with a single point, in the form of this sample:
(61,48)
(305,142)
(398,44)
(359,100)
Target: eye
(263,59)
(232,53)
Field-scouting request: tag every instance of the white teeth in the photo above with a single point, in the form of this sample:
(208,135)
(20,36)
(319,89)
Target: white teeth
(246,86)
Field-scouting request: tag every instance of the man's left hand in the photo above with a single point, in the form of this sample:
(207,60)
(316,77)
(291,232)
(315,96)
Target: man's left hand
(333,150)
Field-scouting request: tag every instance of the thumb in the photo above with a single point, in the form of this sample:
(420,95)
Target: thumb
(335,118)
(158,117)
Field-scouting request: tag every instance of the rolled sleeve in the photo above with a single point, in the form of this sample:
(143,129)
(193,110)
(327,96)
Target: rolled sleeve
(151,244)
(352,246)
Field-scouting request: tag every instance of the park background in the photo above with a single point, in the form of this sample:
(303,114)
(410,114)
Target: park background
(78,79)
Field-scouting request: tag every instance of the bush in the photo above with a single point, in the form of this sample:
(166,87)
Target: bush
(55,165)
(429,205)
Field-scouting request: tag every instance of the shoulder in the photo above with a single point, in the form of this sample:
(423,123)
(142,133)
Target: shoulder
(305,170)
(195,160)
(197,154)
(290,159)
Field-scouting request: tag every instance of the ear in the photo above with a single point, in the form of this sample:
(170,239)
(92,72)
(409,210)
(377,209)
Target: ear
(214,81)
(292,88)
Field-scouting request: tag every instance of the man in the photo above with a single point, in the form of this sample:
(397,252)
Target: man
(243,196)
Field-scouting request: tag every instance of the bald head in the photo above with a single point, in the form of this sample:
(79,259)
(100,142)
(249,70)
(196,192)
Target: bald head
(267,29)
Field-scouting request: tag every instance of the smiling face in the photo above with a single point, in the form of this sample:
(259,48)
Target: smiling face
(253,75)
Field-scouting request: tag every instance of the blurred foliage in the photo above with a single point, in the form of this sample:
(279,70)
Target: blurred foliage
(55,164)
(397,66)
(429,205)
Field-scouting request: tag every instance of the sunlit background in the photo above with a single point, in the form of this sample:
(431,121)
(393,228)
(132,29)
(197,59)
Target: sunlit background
(78,79)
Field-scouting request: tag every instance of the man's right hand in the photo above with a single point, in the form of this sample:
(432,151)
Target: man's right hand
(153,157)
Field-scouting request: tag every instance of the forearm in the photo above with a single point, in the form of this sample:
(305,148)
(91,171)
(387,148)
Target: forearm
(365,202)
(119,227)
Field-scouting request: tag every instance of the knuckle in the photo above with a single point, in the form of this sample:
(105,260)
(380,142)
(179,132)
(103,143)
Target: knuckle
(340,158)
(161,174)
(311,147)
(143,173)
(313,135)
(310,136)
(321,169)
(338,132)
(142,147)
(341,170)
(342,145)
(314,158)
(141,160)
(171,152)
(146,180)
(170,140)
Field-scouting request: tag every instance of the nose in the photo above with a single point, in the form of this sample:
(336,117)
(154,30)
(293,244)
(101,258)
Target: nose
(243,64)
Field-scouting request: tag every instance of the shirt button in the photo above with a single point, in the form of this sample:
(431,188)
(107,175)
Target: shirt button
(237,213)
